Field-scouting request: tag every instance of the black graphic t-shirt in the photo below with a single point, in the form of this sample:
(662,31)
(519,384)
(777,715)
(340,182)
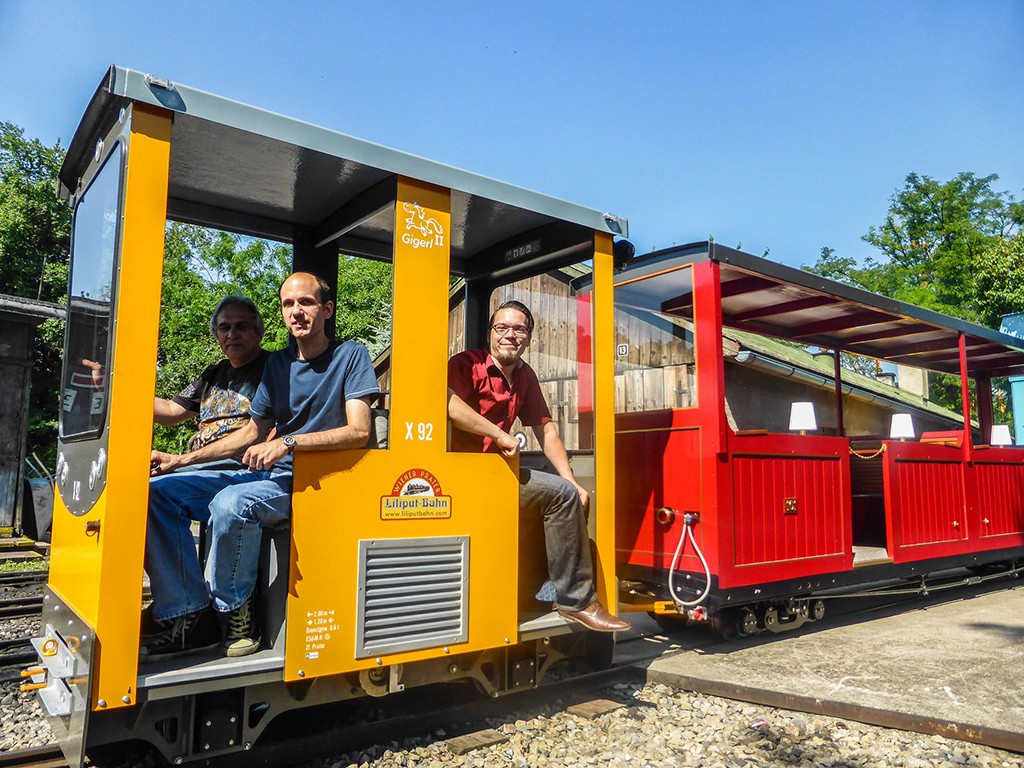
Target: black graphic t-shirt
(221,396)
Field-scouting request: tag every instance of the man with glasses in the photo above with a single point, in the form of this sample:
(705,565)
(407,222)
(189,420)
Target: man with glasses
(315,396)
(488,389)
(221,395)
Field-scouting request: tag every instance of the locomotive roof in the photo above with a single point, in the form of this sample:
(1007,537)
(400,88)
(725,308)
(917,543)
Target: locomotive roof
(769,298)
(243,169)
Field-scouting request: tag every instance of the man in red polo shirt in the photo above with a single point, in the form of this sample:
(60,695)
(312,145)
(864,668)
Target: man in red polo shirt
(488,390)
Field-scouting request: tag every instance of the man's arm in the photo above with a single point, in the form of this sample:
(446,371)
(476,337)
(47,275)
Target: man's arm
(465,418)
(353,435)
(169,413)
(229,446)
(554,450)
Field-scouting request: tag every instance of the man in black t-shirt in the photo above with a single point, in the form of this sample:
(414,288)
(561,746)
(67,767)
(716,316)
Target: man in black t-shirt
(221,395)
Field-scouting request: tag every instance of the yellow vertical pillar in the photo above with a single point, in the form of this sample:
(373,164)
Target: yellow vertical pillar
(98,558)
(604,418)
(419,344)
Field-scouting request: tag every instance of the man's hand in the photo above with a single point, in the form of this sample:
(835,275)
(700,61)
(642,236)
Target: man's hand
(95,370)
(584,496)
(161,463)
(264,455)
(508,445)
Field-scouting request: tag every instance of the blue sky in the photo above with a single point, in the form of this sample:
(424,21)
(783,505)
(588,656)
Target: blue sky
(781,126)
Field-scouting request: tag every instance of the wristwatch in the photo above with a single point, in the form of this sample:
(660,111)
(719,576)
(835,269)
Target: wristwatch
(289,442)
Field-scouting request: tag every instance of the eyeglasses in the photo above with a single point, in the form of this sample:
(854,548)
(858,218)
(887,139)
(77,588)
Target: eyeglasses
(520,331)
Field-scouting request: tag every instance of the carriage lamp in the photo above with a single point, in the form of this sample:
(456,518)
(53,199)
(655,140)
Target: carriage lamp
(1001,435)
(801,418)
(901,427)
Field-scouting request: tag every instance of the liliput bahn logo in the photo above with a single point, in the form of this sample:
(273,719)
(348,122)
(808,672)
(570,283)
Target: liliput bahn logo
(416,495)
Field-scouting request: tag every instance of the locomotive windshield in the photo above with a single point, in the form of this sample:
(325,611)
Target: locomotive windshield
(90,303)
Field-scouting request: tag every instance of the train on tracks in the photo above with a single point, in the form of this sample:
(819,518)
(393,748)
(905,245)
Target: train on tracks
(693,515)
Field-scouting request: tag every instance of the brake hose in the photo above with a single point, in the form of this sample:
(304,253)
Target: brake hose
(689,520)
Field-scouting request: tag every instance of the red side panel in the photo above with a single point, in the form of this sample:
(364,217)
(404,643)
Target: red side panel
(787,508)
(658,466)
(926,505)
(790,505)
(999,485)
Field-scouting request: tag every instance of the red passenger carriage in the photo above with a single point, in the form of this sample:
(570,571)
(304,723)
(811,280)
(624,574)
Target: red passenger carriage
(780,518)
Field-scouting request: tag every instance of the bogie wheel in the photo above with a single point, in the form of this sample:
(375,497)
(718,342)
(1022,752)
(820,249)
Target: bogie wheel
(669,622)
(818,610)
(746,622)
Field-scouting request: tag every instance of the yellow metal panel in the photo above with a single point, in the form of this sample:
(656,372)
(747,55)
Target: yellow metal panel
(604,419)
(339,497)
(419,343)
(337,503)
(100,574)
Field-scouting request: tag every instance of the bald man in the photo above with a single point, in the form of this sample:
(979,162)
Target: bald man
(316,395)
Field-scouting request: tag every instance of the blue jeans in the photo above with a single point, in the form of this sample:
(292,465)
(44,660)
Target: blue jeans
(570,568)
(235,504)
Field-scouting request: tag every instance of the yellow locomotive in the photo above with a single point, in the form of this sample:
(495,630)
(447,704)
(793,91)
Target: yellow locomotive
(369,590)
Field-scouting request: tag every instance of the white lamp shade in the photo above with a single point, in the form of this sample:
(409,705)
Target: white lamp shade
(902,426)
(801,417)
(1001,435)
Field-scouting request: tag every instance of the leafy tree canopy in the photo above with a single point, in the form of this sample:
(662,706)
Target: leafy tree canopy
(955,247)
(947,246)
(35,227)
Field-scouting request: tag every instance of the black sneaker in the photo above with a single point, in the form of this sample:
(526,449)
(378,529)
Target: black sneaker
(190,633)
(150,626)
(243,633)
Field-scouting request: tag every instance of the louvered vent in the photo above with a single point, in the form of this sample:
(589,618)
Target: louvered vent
(412,594)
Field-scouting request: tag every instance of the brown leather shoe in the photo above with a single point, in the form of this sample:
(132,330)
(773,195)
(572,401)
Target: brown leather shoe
(595,617)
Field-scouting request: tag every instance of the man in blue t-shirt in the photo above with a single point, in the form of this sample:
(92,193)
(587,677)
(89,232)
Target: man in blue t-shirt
(316,395)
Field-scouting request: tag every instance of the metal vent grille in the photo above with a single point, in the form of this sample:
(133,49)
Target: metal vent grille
(412,594)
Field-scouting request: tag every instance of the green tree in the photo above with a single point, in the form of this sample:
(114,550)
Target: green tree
(935,237)
(201,266)
(955,247)
(34,235)
(997,281)
(364,302)
(35,227)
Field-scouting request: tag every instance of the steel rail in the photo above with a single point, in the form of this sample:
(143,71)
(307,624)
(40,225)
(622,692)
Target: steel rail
(22,577)
(49,756)
(21,606)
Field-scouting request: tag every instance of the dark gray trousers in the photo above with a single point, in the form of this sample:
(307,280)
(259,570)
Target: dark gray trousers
(570,567)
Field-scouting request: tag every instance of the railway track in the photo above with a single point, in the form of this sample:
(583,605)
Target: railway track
(357,725)
(20,606)
(34,757)
(22,578)
(424,712)
(15,654)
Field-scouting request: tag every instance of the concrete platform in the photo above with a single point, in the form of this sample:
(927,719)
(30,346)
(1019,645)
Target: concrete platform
(953,665)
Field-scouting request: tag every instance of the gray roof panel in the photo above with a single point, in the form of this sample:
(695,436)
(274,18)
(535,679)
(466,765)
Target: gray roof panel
(243,168)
